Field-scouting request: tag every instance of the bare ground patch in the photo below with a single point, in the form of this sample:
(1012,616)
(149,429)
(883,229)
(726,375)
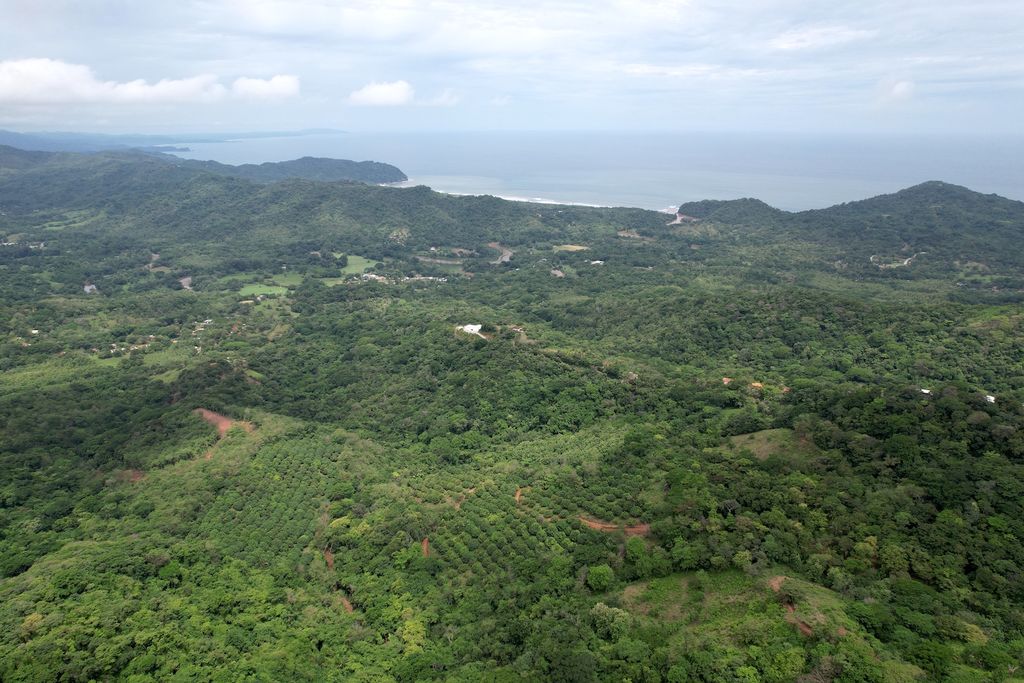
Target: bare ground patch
(608,527)
(223,423)
(775,584)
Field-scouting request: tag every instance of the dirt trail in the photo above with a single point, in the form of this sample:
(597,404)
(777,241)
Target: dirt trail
(519,495)
(329,558)
(426,546)
(896,264)
(347,605)
(775,583)
(506,253)
(607,527)
(803,627)
(223,423)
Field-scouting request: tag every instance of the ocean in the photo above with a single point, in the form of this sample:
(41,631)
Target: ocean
(660,170)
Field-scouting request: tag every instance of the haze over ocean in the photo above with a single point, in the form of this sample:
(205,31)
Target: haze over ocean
(656,170)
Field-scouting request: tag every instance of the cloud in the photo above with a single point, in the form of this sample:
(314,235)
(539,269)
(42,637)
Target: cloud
(383,94)
(268,88)
(49,82)
(817,37)
(398,94)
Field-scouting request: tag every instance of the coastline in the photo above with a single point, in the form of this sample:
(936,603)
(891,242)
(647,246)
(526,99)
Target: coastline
(412,182)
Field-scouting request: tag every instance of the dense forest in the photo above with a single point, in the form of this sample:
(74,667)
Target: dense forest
(279,425)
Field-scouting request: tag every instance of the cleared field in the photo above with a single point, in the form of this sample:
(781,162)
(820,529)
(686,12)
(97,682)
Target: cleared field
(257,289)
(288,279)
(768,442)
(358,264)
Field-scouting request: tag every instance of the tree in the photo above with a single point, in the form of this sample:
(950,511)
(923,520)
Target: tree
(600,578)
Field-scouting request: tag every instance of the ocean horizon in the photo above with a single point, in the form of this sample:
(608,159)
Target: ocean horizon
(659,170)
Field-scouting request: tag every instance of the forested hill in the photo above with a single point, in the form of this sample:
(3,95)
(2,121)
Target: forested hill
(332,431)
(936,227)
(308,168)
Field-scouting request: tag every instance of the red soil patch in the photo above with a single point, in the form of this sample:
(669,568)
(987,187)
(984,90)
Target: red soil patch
(726,380)
(519,495)
(223,423)
(775,583)
(607,527)
(347,605)
(803,627)
(842,631)
(329,558)
(426,546)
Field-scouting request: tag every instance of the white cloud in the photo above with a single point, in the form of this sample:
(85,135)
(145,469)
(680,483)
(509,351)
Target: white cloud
(266,88)
(816,37)
(49,82)
(397,94)
(383,94)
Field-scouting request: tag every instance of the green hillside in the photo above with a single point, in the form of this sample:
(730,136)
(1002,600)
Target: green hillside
(247,435)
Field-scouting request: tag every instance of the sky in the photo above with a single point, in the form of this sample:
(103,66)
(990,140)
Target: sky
(878,66)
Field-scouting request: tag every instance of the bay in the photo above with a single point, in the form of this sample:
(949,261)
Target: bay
(660,170)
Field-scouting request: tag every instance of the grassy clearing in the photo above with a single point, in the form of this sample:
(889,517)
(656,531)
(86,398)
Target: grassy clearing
(50,372)
(176,354)
(288,279)
(72,219)
(257,289)
(726,611)
(358,265)
(168,377)
(769,442)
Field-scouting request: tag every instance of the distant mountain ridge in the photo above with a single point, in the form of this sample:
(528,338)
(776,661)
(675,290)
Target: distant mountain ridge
(306,168)
(931,230)
(933,223)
